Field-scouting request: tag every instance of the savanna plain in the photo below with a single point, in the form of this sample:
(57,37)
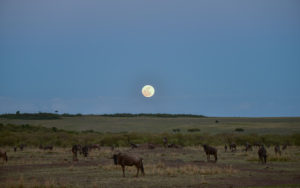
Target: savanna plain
(185,165)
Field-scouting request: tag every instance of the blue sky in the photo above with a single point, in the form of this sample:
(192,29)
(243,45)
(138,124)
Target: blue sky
(210,57)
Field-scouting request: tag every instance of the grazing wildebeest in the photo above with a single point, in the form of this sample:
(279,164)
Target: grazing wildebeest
(232,147)
(85,151)
(210,151)
(74,151)
(173,145)
(284,147)
(277,149)
(262,154)
(151,146)
(248,147)
(225,147)
(3,155)
(132,145)
(48,147)
(129,160)
(165,141)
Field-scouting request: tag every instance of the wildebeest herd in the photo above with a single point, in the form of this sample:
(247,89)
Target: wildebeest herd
(125,159)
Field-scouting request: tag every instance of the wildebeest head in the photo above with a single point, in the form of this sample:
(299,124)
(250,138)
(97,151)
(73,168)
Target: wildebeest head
(115,157)
(204,146)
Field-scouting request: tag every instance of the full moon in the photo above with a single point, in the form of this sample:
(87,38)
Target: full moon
(148,91)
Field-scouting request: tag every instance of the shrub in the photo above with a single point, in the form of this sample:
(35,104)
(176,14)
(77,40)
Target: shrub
(239,130)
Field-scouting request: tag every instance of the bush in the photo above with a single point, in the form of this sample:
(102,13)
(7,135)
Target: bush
(239,130)
(193,130)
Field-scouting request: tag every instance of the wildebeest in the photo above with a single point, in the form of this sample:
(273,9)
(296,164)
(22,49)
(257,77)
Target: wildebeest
(232,147)
(151,146)
(94,146)
(262,154)
(3,155)
(173,145)
(165,141)
(225,147)
(129,160)
(256,144)
(75,149)
(22,146)
(277,149)
(248,147)
(132,145)
(15,149)
(48,148)
(85,151)
(284,147)
(210,151)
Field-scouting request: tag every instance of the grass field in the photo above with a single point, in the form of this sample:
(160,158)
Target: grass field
(164,167)
(185,167)
(283,125)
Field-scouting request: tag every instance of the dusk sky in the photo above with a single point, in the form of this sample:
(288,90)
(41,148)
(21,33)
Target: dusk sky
(208,57)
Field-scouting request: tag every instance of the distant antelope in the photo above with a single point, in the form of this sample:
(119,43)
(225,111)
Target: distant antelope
(129,160)
(210,151)
(262,154)
(3,155)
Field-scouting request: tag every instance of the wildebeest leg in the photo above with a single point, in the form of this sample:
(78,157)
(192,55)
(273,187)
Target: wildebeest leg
(216,157)
(123,169)
(207,157)
(137,172)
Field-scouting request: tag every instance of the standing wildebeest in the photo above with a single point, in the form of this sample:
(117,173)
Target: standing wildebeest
(85,151)
(256,144)
(22,146)
(3,155)
(284,147)
(248,147)
(262,154)
(232,147)
(277,149)
(75,149)
(165,141)
(129,160)
(210,151)
(225,147)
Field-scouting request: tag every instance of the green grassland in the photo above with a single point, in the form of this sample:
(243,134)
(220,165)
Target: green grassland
(153,124)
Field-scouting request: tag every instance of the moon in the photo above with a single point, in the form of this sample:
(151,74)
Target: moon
(148,91)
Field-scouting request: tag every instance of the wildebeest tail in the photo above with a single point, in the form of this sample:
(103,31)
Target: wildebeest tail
(142,167)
